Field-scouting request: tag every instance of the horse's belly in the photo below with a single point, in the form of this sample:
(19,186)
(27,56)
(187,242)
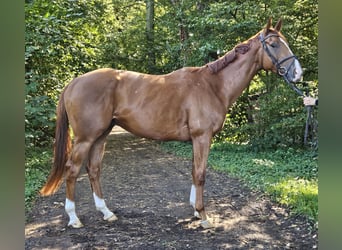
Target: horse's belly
(155,128)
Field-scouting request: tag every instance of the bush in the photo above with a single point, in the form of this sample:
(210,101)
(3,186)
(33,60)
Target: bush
(37,166)
(39,118)
(236,119)
(279,120)
(269,116)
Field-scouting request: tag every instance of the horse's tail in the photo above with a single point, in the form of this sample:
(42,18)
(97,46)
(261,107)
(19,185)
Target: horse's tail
(62,148)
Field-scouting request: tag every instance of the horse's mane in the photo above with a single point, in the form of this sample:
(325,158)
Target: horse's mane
(229,57)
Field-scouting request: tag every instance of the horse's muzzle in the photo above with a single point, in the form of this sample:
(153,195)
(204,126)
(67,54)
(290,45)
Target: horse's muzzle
(295,72)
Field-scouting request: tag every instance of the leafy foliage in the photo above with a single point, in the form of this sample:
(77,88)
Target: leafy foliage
(280,124)
(276,118)
(62,40)
(35,173)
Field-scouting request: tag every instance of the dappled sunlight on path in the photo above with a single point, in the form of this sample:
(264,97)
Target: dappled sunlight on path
(148,190)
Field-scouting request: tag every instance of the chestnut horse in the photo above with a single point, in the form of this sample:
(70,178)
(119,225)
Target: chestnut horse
(189,104)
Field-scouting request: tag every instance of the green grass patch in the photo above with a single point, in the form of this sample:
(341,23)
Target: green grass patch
(288,176)
(37,167)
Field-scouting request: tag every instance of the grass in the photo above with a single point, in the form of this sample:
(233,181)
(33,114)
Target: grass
(37,167)
(288,176)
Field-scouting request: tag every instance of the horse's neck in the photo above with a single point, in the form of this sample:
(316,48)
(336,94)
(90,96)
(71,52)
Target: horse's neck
(237,76)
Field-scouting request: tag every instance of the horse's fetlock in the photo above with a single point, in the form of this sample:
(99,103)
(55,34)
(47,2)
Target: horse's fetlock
(199,209)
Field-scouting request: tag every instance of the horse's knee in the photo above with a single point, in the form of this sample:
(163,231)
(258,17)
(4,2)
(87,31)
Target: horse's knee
(72,172)
(199,178)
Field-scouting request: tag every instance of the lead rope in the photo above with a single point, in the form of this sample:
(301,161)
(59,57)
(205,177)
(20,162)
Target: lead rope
(308,108)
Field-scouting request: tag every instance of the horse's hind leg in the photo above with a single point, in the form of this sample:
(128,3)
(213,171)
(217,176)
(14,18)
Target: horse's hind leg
(94,170)
(78,156)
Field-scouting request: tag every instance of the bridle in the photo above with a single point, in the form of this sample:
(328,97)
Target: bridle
(281,70)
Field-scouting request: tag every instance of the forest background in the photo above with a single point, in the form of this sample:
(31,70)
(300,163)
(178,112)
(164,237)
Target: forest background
(65,39)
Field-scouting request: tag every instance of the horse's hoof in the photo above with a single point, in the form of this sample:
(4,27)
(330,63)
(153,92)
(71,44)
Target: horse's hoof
(206,224)
(197,215)
(76,224)
(111,218)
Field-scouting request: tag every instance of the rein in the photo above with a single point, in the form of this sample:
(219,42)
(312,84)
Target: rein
(282,71)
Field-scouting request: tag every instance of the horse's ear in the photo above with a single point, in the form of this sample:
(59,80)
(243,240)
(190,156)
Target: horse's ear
(277,27)
(269,23)
(268,26)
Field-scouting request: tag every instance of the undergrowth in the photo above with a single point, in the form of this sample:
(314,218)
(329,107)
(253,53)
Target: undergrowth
(288,176)
(37,167)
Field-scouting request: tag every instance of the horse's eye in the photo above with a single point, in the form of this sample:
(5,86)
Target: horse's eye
(274,45)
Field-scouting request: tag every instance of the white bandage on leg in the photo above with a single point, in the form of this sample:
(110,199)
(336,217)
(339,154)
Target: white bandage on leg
(193,196)
(193,200)
(101,206)
(71,211)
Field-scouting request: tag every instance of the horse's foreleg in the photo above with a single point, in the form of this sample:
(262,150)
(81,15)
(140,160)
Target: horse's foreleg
(94,169)
(201,145)
(74,164)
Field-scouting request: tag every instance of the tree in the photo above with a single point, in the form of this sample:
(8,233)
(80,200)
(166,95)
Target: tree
(150,35)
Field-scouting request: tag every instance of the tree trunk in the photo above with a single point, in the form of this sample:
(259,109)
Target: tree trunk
(151,59)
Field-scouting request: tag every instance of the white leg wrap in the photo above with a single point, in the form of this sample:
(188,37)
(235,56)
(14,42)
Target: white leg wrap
(101,206)
(70,210)
(193,196)
(193,200)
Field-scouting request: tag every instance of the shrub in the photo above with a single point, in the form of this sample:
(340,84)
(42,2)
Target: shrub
(37,167)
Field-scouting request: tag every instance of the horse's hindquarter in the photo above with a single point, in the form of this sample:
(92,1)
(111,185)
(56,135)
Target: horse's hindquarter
(164,107)
(89,104)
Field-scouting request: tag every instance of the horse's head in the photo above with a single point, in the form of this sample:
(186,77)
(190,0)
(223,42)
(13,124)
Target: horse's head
(279,57)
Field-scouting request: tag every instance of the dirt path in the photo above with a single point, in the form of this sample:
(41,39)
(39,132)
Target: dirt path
(148,190)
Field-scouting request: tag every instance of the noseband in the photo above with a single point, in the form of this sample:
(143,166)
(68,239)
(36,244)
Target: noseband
(282,71)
